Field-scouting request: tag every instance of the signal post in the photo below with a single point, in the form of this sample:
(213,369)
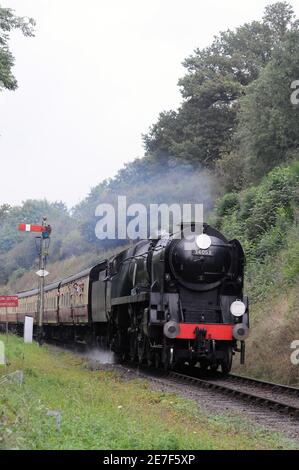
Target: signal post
(44,239)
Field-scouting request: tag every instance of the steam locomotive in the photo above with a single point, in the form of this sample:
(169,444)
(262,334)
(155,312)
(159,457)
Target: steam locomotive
(172,300)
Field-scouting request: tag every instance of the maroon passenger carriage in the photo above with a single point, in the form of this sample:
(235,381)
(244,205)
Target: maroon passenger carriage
(67,308)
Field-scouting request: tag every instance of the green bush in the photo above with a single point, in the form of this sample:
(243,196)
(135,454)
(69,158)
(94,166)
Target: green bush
(227,204)
(291,257)
(275,238)
(291,268)
(263,218)
(230,171)
(232,227)
(261,277)
(294,169)
(277,190)
(248,202)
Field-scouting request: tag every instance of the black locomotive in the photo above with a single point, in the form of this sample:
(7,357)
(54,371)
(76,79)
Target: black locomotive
(179,299)
(172,300)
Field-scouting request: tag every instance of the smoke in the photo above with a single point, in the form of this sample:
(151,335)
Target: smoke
(182,184)
(167,183)
(144,183)
(101,355)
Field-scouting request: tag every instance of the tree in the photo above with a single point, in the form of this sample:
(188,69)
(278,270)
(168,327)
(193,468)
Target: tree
(267,132)
(8,22)
(216,78)
(4,211)
(278,17)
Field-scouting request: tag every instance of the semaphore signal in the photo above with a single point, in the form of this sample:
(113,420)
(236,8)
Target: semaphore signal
(31,228)
(45,231)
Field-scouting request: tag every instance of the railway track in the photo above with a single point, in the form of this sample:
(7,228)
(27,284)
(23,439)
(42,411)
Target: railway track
(273,406)
(257,383)
(279,398)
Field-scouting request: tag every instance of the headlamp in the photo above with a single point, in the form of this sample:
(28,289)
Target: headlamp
(203,241)
(237,308)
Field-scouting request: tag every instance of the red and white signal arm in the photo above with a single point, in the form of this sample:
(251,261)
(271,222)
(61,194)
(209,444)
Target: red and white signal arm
(31,228)
(9,301)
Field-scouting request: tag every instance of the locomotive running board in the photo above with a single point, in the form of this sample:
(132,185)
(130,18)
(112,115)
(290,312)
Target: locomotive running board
(130,299)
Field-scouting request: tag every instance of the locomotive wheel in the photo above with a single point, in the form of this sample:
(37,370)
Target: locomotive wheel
(203,366)
(133,331)
(157,360)
(141,350)
(167,358)
(133,346)
(149,354)
(226,362)
(122,357)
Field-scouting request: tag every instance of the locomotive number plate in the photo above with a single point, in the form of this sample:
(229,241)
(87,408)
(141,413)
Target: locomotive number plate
(201,252)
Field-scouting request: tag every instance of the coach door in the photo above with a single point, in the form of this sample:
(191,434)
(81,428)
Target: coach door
(98,298)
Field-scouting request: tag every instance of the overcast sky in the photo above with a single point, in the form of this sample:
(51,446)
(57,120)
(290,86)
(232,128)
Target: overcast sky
(92,80)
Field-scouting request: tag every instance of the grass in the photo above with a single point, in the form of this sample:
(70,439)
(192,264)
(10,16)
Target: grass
(100,410)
